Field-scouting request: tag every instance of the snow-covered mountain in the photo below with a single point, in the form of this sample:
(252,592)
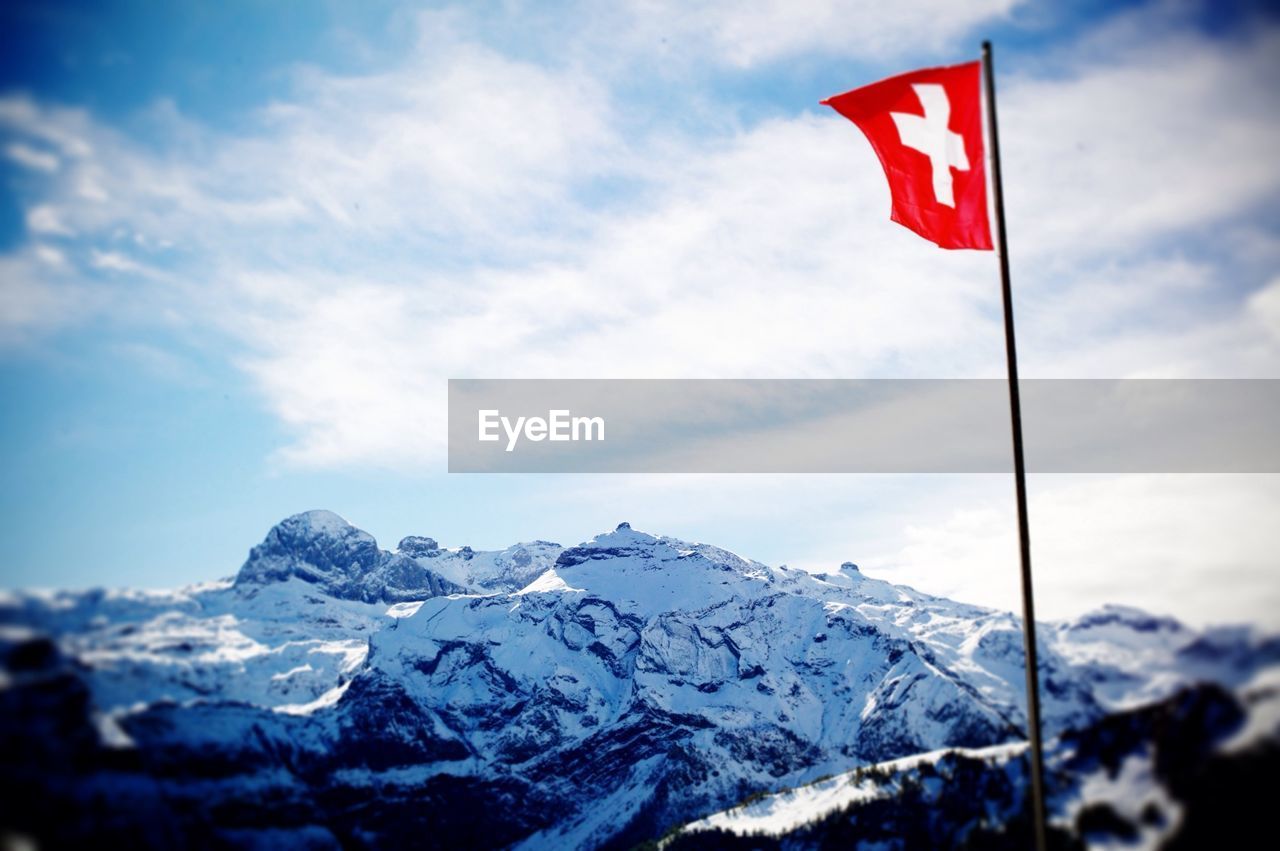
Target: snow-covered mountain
(594,696)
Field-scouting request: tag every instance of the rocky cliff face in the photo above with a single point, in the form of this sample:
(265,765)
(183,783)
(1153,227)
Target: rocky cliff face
(335,693)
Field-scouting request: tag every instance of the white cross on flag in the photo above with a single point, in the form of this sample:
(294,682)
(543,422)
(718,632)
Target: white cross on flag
(926,127)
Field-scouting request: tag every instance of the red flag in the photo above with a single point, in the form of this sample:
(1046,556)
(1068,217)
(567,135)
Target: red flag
(926,127)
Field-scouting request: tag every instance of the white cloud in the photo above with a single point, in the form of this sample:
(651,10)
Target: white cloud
(747,34)
(50,256)
(1198,546)
(39,293)
(1136,140)
(63,130)
(46,220)
(113,261)
(462,143)
(32,158)
(377,234)
(474,214)
(1264,305)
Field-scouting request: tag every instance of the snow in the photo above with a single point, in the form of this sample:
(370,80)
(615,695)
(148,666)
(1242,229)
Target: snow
(15,633)
(329,698)
(1261,696)
(301,669)
(563,643)
(1132,789)
(404,610)
(282,644)
(406,776)
(786,811)
(1134,655)
(596,826)
(692,622)
(326,522)
(487,571)
(198,588)
(110,733)
(789,810)
(547,583)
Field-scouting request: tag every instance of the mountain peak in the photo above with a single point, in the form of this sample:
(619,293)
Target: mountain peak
(624,530)
(622,542)
(324,550)
(321,520)
(1127,617)
(417,546)
(625,536)
(316,546)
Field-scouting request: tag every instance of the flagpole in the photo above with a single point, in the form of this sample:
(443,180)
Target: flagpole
(1019,468)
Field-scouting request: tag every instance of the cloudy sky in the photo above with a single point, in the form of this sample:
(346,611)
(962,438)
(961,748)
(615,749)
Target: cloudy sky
(244,245)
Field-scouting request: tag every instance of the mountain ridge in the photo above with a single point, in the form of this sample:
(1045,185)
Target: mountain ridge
(625,685)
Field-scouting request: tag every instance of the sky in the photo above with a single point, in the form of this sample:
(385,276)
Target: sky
(244,245)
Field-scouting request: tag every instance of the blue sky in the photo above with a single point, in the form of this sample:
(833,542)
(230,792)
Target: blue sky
(243,245)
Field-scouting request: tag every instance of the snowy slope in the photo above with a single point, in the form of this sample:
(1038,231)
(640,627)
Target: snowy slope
(1146,778)
(792,809)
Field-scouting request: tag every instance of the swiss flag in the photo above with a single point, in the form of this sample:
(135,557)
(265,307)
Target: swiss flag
(926,127)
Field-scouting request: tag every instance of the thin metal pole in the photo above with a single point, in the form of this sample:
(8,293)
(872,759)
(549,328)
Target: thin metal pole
(1019,469)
